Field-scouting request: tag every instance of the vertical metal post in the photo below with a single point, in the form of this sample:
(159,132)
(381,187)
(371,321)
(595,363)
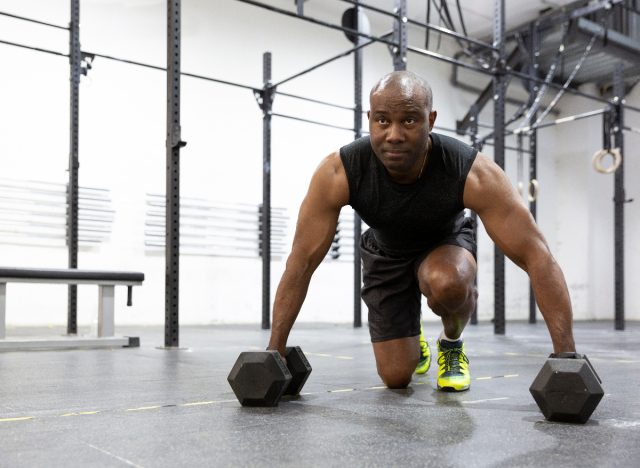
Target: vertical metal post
(172,213)
(357,222)
(473,129)
(533,205)
(534,49)
(400,36)
(619,197)
(499,85)
(75,58)
(267,101)
(300,7)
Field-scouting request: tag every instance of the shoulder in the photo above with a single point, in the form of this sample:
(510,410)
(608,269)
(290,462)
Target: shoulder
(355,151)
(330,180)
(485,182)
(457,156)
(453,145)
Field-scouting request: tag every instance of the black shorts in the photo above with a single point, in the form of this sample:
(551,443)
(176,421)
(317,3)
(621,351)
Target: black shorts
(390,285)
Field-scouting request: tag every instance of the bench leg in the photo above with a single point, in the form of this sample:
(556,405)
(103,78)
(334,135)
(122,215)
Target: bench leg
(3,308)
(105,311)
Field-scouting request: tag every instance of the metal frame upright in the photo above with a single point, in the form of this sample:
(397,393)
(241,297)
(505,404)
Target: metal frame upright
(357,222)
(266,103)
(499,91)
(173,145)
(619,198)
(75,64)
(534,53)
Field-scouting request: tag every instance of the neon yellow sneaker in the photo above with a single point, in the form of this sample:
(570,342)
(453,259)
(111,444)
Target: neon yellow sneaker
(425,355)
(453,366)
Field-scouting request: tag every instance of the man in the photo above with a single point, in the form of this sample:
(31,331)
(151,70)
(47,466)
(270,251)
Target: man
(411,187)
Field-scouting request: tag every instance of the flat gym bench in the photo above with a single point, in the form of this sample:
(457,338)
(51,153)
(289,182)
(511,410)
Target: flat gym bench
(106,281)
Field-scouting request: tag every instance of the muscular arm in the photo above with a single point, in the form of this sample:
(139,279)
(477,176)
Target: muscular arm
(489,193)
(317,220)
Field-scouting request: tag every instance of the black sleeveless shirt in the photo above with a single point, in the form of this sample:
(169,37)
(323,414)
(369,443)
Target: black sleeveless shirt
(409,218)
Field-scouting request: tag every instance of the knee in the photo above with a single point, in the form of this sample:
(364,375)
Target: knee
(448,288)
(396,378)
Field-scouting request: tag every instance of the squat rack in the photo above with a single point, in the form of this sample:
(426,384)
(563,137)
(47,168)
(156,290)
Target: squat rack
(500,72)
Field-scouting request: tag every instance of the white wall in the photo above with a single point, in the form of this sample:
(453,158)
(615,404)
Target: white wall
(122,148)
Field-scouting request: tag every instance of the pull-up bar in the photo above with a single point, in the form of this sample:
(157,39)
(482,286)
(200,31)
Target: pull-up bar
(10,15)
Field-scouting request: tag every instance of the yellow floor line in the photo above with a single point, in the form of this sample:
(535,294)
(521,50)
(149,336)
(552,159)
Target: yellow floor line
(145,408)
(80,413)
(198,403)
(24,418)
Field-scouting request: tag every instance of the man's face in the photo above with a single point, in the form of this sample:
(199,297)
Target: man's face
(399,125)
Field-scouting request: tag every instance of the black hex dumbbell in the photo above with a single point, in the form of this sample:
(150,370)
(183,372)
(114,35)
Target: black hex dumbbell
(567,388)
(261,378)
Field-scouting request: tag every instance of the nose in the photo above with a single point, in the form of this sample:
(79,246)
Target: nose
(395,133)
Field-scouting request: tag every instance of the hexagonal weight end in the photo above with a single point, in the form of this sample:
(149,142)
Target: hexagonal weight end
(259,378)
(299,367)
(567,390)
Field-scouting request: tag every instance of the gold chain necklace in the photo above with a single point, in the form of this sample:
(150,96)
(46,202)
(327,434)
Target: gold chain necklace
(424,163)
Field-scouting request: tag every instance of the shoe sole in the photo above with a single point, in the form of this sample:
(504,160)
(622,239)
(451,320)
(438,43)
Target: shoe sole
(421,372)
(453,389)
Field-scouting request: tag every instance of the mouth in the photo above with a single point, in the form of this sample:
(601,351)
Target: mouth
(395,153)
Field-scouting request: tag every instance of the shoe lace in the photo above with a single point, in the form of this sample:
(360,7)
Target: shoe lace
(451,358)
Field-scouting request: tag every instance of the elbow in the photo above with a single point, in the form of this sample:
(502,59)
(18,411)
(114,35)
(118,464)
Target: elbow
(535,258)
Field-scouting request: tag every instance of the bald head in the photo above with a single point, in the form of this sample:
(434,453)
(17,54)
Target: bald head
(406,84)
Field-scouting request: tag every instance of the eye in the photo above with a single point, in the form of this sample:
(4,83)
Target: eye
(381,120)
(409,121)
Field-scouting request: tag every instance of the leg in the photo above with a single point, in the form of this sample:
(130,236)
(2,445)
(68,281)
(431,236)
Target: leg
(3,305)
(391,294)
(396,360)
(446,279)
(105,310)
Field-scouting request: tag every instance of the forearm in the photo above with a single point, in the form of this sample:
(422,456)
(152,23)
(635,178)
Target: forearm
(552,296)
(290,296)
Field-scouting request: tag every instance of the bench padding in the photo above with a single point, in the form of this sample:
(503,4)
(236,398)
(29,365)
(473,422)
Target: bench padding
(71,274)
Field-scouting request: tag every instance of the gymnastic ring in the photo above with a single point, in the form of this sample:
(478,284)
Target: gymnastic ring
(600,155)
(534,186)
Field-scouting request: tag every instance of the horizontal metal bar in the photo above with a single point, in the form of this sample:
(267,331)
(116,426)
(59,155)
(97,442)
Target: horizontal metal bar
(350,129)
(329,104)
(451,33)
(23,18)
(551,84)
(628,107)
(191,75)
(632,129)
(37,49)
(329,60)
(570,118)
(316,21)
(444,58)
(216,80)
(192,201)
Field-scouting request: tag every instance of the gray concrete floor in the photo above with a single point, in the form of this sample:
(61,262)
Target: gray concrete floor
(156,408)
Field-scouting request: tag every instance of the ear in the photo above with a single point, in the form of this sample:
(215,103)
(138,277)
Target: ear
(368,115)
(432,119)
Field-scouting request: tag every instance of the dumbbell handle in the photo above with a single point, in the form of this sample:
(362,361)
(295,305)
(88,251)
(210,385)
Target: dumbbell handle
(572,355)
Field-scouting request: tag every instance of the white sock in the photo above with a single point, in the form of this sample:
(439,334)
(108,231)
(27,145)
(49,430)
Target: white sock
(446,338)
